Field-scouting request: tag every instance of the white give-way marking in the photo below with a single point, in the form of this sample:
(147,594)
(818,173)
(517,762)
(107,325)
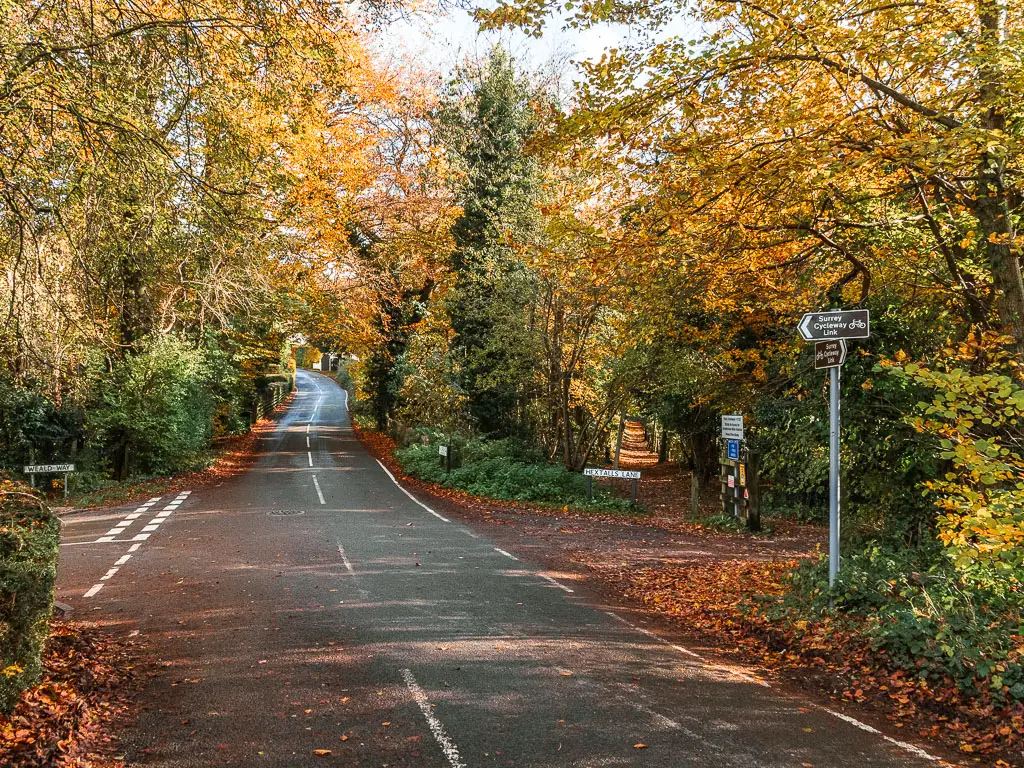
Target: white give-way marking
(147,531)
(436,728)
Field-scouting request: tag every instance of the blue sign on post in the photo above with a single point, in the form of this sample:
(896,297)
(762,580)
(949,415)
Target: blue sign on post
(734,449)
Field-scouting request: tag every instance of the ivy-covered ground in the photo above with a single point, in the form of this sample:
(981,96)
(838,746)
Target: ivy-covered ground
(937,669)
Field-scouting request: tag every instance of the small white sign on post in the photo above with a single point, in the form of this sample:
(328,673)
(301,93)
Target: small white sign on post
(732,426)
(41,469)
(442,450)
(627,474)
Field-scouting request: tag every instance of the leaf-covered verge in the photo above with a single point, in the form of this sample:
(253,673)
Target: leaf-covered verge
(501,469)
(938,661)
(71,717)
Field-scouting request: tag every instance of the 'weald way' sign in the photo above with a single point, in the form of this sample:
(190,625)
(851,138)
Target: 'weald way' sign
(43,469)
(829,326)
(628,474)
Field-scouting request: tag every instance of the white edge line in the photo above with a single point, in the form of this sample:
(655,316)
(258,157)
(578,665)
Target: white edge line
(436,728)
(506,554)
(439,517)
(914,750)
(556,583)
(319,493)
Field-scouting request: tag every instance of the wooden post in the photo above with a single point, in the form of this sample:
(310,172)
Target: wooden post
(754,489)
(694,489)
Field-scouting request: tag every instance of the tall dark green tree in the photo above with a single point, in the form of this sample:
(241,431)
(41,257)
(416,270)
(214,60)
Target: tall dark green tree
(486,121)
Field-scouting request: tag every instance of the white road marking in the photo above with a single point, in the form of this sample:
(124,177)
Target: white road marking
(93,590)
(319,493)
(134,547)
(310,457)
(345,392)
(914,750)
(140,537)
(307,441)
(345,560)
(470,533)
(100,540)
(556,583)
(307,429)
(393,480)
(436,728)
(688,652)
(109,573)
(122,560)
(151,528)
(506,554)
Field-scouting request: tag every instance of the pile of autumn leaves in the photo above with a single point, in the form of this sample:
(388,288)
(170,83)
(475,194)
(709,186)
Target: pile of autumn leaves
(63,721)
(736,603)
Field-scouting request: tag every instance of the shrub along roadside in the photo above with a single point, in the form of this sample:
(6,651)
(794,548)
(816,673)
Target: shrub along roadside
(29,545)
(499,469)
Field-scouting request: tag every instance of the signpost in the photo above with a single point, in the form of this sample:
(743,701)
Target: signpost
(443,452)
(628,474)
(49,469)
(837,324)
(733,449)
(732,426)
(830,330)
(829,354)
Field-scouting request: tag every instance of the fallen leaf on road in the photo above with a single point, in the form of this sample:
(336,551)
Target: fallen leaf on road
(343,738)
(640,746)
(386,724)
(321,752)
(565,674)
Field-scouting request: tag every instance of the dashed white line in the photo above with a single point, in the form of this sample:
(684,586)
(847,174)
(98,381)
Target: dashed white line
(319,493)
(393,480)
(506,554)
(109,573)
(150,528)
(556,583)
(134,547)
(140,537)
(470,533)
(307,441)
(122,560)
(310,457)
(436,728)
(93,590)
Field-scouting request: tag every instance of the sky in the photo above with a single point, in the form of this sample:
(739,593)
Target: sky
(442,40)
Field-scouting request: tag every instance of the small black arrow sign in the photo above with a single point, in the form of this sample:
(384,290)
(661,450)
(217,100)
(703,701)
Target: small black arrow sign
(829,354)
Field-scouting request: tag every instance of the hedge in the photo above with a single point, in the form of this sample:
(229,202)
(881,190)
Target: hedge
(29,544)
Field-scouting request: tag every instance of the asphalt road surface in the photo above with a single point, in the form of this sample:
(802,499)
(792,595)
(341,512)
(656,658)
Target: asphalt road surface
(312,604)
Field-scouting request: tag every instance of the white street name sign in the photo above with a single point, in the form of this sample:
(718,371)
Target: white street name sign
(39,469)
(442,450)
(629,474)
(830,326)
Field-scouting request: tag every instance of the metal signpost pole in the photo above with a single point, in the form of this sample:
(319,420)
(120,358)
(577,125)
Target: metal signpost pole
(833,475)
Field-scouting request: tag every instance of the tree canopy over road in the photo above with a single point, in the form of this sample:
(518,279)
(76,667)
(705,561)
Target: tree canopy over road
(189,192)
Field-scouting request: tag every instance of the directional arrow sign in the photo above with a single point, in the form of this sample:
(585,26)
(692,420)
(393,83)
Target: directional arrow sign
(829,326)
(829,354)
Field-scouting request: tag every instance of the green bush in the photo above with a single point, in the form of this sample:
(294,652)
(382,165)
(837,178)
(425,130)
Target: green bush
(153,412)
(29,543)
(502,469)
(928,619)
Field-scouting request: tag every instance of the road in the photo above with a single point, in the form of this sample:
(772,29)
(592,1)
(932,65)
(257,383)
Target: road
(313,604)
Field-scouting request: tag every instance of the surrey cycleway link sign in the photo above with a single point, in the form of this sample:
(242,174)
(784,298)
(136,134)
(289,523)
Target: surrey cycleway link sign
(839,324)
